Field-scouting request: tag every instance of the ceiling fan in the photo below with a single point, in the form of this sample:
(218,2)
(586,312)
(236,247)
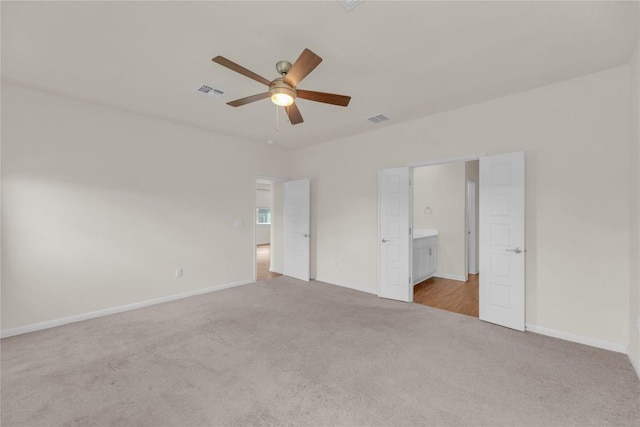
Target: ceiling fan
(283,90)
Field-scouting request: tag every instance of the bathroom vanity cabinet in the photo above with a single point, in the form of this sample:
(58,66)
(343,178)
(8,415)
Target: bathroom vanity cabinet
(425,254)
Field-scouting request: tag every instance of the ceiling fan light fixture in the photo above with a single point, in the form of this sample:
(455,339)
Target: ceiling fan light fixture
(281,99)
(281,93)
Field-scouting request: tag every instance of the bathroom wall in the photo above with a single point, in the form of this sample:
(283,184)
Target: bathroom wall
(439,203)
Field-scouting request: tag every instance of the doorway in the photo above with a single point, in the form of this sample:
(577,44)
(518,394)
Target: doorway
(501,237)
(265,232)
(281,228)
(444,237)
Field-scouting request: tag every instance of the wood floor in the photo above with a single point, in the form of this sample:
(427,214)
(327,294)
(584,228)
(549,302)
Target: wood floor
(450,295)
(263,260)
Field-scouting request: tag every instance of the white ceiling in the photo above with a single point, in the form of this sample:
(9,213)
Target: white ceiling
(403,59)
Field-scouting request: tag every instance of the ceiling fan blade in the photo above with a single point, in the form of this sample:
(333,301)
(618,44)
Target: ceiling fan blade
(327,98)
(248,99)
(240,69)
(294,114)
(305,64)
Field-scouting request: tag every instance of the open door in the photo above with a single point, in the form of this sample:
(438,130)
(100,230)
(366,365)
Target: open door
(502,243)
(394,234)
(296,204)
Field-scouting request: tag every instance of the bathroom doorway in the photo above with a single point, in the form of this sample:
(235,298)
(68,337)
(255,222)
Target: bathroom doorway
(501,236)
(445,213)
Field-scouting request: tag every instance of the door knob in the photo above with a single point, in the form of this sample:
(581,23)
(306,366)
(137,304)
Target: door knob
(384,240)
(516,250)
(306,234)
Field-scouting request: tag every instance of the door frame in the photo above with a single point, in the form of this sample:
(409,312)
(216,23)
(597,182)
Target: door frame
(412,166)
(470,225)
(254,217)
(472,157)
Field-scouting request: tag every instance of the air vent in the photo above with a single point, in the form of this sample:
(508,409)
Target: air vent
(378,118)
(349,4)
(209,91)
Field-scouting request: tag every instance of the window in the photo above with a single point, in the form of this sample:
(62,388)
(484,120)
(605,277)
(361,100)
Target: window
(264,216)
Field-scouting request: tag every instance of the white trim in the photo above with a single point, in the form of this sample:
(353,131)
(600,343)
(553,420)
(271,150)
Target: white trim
(448,160)
(451,277)
(354,288)
(118,309)
(359,289)
(470,210)
(567,336)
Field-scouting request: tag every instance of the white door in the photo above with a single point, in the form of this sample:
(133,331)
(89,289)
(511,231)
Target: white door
(394,234)
(502,244)
(296,206)
(471,227)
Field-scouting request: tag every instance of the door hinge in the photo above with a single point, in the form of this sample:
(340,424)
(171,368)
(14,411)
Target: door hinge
(409,230)
(409,280)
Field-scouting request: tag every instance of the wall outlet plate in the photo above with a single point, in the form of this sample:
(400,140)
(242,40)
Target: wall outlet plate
(179,272)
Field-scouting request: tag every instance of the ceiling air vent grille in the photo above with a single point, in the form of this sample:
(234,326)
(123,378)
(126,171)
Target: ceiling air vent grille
(209,91)
(378,118)
(349,4)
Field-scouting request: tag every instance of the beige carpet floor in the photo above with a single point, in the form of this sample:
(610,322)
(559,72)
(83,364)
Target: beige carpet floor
(284,352)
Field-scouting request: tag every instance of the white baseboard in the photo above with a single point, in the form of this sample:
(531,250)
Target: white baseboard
(119,309)
(593,342)
(355,288)
(635,365)
(451,277)
(365,290)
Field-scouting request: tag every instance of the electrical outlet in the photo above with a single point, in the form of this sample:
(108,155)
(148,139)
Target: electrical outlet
(179,272)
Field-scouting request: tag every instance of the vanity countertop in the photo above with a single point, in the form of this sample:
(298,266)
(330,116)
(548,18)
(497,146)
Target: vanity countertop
(419,233)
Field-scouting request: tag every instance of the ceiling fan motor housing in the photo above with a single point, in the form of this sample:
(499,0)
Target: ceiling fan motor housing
(283,67)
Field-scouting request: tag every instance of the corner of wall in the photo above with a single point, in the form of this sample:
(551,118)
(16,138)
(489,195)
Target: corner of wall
(634,210)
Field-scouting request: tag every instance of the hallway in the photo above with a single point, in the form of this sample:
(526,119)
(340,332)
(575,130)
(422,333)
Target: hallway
(263,261)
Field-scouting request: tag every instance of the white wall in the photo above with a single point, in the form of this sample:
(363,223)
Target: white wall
(442,188)
(634,212)
(100,206)
(575,134)
(263,200)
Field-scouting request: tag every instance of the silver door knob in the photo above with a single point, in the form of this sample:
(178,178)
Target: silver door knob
(306,234)
(384,240)
(516,250)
